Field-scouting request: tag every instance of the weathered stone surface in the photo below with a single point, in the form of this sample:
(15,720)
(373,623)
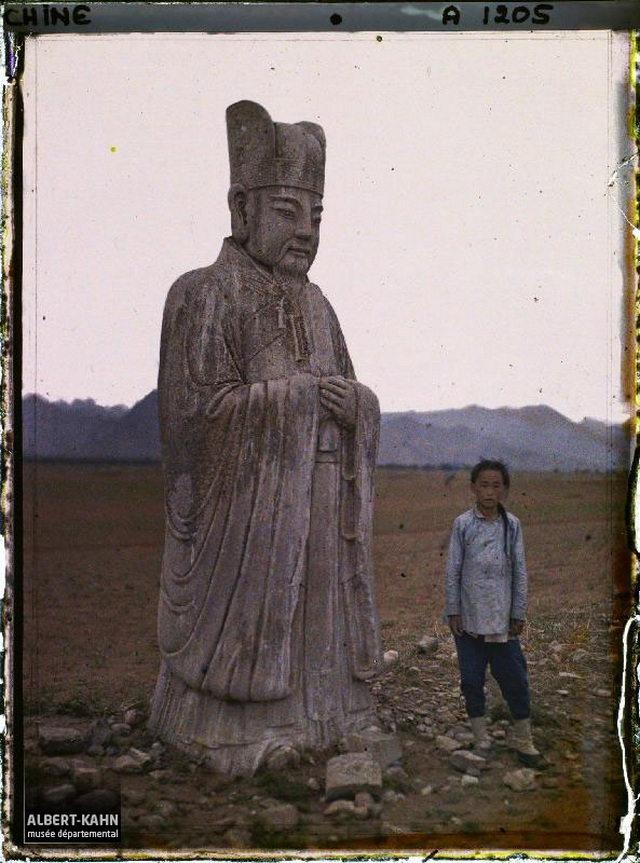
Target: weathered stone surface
(126,764)
(557,647)
(390,657)
(364,799)
(350,773)
(447,743)
(121,729)
(167,809)
(58,794)
(387,829)
(428,646)
(467,762)
(160,775)
(279,818)
(395,771)
(56,766)
(340,807)
(523,779)
(223,818)
(383,748)
(391,796)
(132,717)
(99,734)
(134,796)
(153,822)
(100,800)
(56,740)
(468,780)
(283,758)
(238,837)
(140,757)
(238,637)
(86,778)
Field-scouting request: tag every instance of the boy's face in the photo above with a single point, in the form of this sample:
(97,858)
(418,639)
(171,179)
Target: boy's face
(489,489)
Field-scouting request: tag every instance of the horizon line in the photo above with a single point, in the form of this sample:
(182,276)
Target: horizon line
(473,405)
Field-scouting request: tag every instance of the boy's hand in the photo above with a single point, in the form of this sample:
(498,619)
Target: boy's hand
(455,624)
(516,626)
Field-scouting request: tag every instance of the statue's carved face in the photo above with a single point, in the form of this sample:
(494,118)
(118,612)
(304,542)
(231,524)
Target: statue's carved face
(283,228)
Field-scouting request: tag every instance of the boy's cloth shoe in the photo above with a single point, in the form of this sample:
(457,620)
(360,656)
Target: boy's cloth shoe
(482,741)
(538,761)
(521,740)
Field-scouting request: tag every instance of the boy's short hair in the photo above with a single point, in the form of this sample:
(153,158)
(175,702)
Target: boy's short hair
(488,464)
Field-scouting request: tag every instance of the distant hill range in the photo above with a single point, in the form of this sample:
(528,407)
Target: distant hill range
(530,438)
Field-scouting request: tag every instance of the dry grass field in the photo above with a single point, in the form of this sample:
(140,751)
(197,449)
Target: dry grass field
(92,547)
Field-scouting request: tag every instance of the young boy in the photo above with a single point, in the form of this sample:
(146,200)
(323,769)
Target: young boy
(486,598)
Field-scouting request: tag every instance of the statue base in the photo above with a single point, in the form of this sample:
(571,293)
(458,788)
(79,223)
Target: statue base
(237,738)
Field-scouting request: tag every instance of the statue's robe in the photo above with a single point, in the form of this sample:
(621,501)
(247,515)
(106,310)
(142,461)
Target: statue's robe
(267,622)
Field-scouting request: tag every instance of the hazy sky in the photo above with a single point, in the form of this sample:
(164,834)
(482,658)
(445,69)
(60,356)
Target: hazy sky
(471,243)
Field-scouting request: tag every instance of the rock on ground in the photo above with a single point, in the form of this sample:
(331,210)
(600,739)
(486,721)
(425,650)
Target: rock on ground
(86,778)
(167,809)
(383,748)
(340,807)
(282,817)
(521,780)
(428,646)
(100,800)
(467,762)
(238,837)
(350,773)
(60,741)
(99,734)
(390,657)
(134,796)
(126,764)
(132,716)
(364,801)
(58,795)
(142,758)
(468,780)
(56,766)
(447,743)
(153,822)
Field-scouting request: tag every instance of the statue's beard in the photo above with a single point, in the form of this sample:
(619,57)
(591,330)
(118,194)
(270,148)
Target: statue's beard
(294,269)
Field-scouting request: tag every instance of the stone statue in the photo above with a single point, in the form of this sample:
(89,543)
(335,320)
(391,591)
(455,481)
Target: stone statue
(267,622)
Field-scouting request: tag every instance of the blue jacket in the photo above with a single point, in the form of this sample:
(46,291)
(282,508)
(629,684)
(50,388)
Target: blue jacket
(485,585)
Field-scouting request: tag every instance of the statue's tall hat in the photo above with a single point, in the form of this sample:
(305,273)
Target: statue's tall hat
(264,153)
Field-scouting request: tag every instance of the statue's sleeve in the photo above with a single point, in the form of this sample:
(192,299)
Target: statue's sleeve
(238,462)
(358,464)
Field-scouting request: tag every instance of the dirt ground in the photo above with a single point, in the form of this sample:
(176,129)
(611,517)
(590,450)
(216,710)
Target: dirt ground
(92,547)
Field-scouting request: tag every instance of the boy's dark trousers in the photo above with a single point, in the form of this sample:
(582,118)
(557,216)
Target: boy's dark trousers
(508,666)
